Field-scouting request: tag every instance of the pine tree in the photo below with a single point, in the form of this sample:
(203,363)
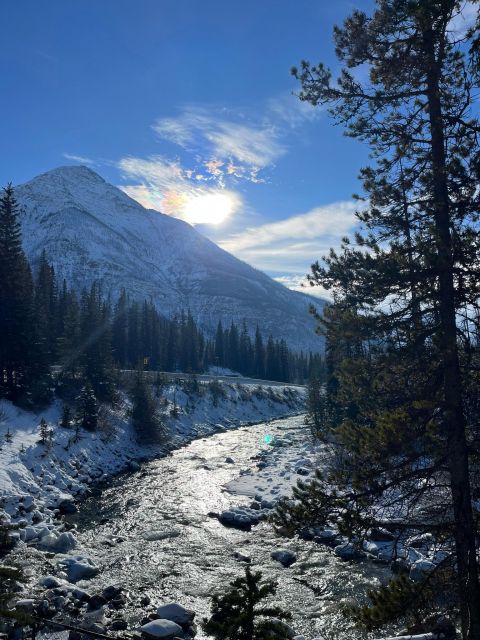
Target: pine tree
(24,375)
(66,421)
(120,331)
(259,367)
(237,615)
(219,341)
(87,408)
(145,418)
(413,271)
(45,433)
(315,407)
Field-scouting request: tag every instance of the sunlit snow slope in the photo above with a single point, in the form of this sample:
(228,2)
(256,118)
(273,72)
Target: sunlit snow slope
(93,231)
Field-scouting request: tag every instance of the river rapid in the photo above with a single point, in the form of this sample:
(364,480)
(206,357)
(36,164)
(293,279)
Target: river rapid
(150,532)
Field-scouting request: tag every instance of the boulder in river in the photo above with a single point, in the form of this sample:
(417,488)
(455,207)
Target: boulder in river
(161,628)
(348,551)
(176,613)
(284,556)
(54,543)
(420,569)
(79,568)
(239,517)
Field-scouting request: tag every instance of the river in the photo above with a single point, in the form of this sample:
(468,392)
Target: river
(150,532)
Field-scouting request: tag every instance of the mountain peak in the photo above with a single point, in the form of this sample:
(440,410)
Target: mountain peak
(92,231)
(72,171)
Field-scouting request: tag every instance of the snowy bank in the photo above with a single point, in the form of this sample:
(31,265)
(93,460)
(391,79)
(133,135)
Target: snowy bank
(41,481)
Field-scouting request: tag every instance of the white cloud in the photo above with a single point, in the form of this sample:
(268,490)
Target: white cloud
(81,159)
(290,110)
(297,282)
(222,139)
(287,248)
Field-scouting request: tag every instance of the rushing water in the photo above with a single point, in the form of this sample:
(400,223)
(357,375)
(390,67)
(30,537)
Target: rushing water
(150,532)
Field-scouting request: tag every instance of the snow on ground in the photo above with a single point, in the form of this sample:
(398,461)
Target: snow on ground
(39,481)
(281,465)
(290,458)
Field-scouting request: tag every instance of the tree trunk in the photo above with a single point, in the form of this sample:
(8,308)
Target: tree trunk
(455,425)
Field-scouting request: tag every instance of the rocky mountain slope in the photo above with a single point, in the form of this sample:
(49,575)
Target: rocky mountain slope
(91,230)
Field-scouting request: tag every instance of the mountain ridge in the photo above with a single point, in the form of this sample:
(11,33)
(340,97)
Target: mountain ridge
(93,231)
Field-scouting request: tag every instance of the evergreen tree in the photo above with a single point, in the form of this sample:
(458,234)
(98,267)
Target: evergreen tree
(145,417)
(24,375)
(66,421)
(238,615)
(45,433)
(315,407)
(271,360)
(219,340)
(259,367)
(120,331)
(87,408)
(411,276)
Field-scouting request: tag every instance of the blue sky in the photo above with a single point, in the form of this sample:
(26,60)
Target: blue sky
(176,100)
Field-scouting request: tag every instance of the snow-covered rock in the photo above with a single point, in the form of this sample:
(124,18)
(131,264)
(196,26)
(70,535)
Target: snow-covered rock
(239,517)
(50,582)
(348,551)
(58,543)
(420,569)
(284,556)
(161,629)
(176,613)
(79,568)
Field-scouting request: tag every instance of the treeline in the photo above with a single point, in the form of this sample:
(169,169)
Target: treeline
(45,323)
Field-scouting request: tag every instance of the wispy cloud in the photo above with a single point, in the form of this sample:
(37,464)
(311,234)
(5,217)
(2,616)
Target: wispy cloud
(242,148)
(289,110)
(76,158)
(287,248)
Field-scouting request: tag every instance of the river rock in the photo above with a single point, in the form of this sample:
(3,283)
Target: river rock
(229,460)
(111,592)
(161,629)
(348,551)
(79,568)
(284,556)
(27,604)
(239,517)
(80,594)
(176,613)
(302,471)
(96,602)
(118,624)
(50,582)
(67,506)
(379,534)
(420,569)
(284,627)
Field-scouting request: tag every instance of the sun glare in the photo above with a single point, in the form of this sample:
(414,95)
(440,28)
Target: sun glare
(211,208)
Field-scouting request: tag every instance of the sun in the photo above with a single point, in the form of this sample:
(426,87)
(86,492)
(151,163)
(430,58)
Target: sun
(210,208)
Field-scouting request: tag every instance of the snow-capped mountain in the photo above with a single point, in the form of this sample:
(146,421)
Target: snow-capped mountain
(93,231)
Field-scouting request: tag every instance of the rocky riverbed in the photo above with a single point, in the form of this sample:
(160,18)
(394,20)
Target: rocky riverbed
(161,535)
